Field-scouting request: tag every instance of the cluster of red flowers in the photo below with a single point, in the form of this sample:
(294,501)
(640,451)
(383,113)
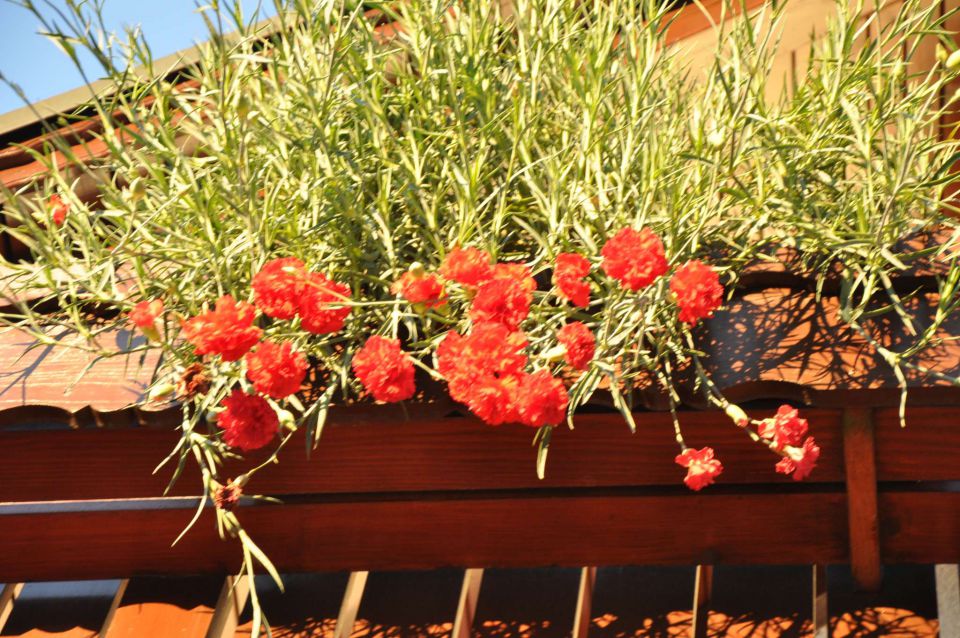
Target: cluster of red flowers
(227,330)
(568,274)
(384,369)
(485,371)
(697,290)
(579,344)
(420,288)
(637,259)
(248,421)
(486,368)
(634,258)
(284,289)
(786,432)
(275,370)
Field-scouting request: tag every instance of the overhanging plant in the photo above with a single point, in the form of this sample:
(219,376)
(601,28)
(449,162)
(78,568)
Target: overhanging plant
(528,208)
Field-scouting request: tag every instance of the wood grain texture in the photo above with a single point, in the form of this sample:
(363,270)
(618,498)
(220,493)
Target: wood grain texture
(432,453)
(427,453)
(862,516)
(515,531)
(919,527)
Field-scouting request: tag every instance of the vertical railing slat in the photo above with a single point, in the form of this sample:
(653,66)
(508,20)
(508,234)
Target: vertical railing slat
(350,605)
(581,618)
(948,599)
(702,596)
(8,596)
(226,615)
(821,613)
(467,603)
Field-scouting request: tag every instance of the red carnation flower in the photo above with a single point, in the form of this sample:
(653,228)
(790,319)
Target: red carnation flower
(227,330)
(568,276)
(493,400)
(468,266)
(702,468)
(275,370)
(697,289)
(504,301)
(58,209)
(579,342)
(483,369)
(800,461)
(785,428)
(144,315)
(322,309)
(248,421)
(541,399)
(633,258)
(418,287)
(278,287)
(384,369)
(517,272)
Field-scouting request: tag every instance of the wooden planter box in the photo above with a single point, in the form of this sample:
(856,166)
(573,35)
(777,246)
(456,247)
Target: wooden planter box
(431,488)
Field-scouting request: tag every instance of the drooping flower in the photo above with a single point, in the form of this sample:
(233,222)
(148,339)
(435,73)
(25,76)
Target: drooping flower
(248,421)
(505,301)
(579,343)
(384,369)
(634,258)
(702,468)
(275,370)
(800,461)
(785,428)
(420,287)
(541,399)
(568,274)
(227,330)
(322,309)
(279,286)
(58,209)
(697,290)
(517,272)
(227,497)
(468,266)
(193,382)
(483,370)
(144,315)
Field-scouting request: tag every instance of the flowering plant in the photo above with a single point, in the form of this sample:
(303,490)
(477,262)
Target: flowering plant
(528,209)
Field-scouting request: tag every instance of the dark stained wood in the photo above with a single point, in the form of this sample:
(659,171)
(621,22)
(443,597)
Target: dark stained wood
(915,452)
(522,530)
(920,527)
(862,497)
(424,453)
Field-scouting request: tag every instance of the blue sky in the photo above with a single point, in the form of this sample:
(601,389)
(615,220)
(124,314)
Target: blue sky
(42,70)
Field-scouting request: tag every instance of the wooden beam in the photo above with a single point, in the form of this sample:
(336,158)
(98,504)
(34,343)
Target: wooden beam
(948,599)
(426,531)
(581,618)
(702,597)
(467,604)
(226,615)
(428,453)
(820,612)
(350,605)
(862,517)
(8,596)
